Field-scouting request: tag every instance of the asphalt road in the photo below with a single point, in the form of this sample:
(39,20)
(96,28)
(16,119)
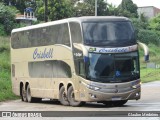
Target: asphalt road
(150,101)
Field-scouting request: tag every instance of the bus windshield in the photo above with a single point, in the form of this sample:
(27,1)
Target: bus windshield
(113,67)
(117,33)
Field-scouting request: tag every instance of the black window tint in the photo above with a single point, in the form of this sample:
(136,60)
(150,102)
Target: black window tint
(15,40)
(23,40)
(101,65)
(63,35)
(36,69)
(66,70)
(81,68)
(49,69)
(56,34)
(75,32)
(113,33)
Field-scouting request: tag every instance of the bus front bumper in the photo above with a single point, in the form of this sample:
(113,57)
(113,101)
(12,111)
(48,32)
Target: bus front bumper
(95,96)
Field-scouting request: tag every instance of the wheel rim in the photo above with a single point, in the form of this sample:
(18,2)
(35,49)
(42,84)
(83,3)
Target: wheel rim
(72,96)
(64,96)
(23,94)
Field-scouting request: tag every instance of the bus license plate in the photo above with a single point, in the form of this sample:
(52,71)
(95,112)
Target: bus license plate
(115,98)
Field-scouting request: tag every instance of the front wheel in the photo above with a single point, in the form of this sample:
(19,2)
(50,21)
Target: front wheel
(71,98)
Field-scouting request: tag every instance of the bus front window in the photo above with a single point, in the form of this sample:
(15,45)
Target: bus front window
(110,33)
(113,67)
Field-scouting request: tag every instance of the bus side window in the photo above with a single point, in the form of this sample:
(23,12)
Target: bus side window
(14,40)
(64,70)
(36,69)
(75,32)
(24,39)
(81,68)
(63,37)
(65,34)
(53,32)
(48,70)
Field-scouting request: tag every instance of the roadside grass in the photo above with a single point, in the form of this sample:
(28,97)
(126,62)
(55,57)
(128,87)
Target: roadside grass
(150,74)
(5,79)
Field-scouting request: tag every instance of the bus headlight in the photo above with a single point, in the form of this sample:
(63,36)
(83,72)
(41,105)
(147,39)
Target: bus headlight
(93,87)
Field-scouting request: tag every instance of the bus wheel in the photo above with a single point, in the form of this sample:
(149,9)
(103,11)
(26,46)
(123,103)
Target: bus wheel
(71,98)
(63,97)
(23,94)
(28,94)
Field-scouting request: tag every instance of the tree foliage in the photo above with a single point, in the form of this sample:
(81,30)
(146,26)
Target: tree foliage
(128,9)
(83,9)
(87,8)
(7,17)
(154,23)
(20,4)
(112,9)
(149,36)
(57,9)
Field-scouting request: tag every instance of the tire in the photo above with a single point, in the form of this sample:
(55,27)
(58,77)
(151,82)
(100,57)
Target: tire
(29,98)
(115,103)
(71,98)
(28,94)
(63,97)
(23,94)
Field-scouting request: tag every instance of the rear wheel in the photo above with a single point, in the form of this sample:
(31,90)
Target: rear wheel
(115,103)
(28,94)
(23,94)
(63,97)
(71,98)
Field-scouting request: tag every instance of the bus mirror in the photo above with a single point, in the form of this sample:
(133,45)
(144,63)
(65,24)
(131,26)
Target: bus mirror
(146,58)
(146,51)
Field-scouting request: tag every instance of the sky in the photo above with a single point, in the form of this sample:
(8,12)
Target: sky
(140,3)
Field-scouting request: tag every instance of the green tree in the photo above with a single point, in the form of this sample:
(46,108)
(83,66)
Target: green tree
(39,12)
(7,17)
(112,9)
(154,24)
(143,18)
(20,4)
(83,9)
(57,9)
(128,9)
(87,8)
(149,36)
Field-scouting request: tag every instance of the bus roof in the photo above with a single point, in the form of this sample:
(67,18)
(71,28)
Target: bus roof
(76,19)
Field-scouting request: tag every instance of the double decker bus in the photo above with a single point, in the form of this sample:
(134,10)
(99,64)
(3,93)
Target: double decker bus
(77,60)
